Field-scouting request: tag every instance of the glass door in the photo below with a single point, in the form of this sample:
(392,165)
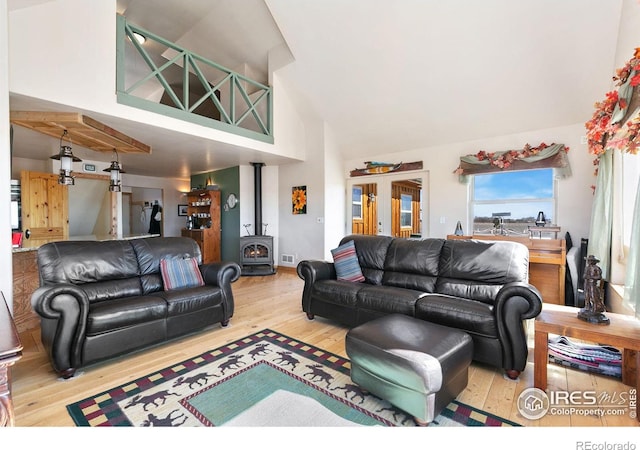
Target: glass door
(389,204)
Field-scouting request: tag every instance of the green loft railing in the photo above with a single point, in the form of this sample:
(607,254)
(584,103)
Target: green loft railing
(162,77)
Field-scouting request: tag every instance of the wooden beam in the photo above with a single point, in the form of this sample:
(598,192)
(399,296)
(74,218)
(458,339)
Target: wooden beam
(82,130)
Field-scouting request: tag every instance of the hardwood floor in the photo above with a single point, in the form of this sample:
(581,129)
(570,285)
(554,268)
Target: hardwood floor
(273,302)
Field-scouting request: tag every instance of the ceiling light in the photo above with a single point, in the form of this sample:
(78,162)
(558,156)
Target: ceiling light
(116,170)
(66,162)
(139,37)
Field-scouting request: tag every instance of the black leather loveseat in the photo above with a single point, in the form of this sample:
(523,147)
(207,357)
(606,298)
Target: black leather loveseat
(98,299)
(480,287)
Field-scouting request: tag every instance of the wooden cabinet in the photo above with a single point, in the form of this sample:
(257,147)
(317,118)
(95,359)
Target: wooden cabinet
(45,211)
(547,268)
(204,210)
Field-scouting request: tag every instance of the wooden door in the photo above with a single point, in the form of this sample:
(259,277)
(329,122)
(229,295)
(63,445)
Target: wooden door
(364,209)
(405,208)
(45,213)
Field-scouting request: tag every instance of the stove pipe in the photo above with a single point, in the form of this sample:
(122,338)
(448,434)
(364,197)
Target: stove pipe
(257,187)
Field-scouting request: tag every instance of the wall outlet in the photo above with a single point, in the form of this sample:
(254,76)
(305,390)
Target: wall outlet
(287,259)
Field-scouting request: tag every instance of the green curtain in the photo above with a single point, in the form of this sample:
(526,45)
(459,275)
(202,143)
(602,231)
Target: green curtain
(632,277)
(602,215)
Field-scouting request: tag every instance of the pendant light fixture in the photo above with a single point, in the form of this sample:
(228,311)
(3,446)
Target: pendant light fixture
(116,170)
(66,162)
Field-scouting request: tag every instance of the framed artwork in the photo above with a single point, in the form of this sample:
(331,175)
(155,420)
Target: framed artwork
(183,210)
(299,200)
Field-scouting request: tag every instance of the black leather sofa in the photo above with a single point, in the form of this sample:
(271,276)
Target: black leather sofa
(480,287)
(100,299)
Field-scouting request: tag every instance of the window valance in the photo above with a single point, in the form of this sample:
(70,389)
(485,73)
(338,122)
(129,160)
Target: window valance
(543,156)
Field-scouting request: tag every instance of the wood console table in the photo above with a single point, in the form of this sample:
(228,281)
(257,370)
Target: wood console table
(10,352)
(547,263)
(623,332)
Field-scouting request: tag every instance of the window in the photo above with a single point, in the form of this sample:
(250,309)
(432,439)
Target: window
(406,211)
(512,200)
(356,202)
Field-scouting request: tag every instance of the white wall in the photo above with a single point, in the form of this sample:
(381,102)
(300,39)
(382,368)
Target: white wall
(6,274)
(334,194)
(288,127)
(31,165)
(300,234)
(449,199)
(89,208)
(629,32)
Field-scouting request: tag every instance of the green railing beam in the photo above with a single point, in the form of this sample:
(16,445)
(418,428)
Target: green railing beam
(229,85)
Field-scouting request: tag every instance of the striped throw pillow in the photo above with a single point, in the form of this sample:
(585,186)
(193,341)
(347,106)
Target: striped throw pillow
(346,262)
(180,273)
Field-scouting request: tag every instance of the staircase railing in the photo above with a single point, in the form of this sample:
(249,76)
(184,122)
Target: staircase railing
(162,77)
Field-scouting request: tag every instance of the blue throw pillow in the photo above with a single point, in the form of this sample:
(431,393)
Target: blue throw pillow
(180,273)
(346,262)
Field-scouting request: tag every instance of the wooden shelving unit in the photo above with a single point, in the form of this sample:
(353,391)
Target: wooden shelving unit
(204,210)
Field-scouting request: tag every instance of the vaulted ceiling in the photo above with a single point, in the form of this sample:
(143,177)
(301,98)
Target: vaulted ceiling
(395,75)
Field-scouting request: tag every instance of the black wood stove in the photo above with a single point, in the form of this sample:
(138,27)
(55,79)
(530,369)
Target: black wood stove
(256,251)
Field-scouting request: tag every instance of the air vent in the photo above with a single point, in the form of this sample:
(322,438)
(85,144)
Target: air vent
(287,259)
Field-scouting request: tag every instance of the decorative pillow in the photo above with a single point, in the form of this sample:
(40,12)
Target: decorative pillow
(346,262)
(179,273)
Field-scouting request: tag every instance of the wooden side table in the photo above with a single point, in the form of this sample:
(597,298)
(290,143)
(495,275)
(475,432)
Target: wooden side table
(10,352)
(623,332)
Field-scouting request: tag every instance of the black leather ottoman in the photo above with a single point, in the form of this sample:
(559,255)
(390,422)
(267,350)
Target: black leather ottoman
(417,366)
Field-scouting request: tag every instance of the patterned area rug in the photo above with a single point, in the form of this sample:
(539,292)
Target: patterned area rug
(265,379)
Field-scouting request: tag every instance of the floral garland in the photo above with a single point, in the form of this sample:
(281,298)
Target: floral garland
(601,130)
(504,160)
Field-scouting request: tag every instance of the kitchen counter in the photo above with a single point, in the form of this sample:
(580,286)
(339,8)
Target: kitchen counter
(90,237)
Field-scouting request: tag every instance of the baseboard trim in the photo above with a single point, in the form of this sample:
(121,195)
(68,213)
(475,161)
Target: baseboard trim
(287,269)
